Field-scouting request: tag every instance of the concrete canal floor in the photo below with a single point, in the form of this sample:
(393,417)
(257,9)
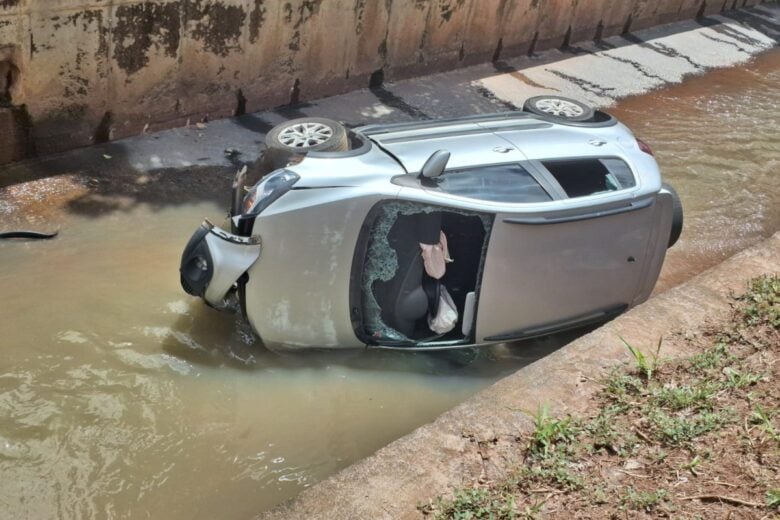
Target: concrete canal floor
(120,396)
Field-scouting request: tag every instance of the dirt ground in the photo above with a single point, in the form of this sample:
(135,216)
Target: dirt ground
(694,438)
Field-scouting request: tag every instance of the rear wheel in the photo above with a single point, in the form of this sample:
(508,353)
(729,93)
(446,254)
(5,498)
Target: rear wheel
(559,108)
(677,215)
(308,134)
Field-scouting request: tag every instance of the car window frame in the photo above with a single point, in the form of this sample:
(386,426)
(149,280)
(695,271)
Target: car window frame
(544,171)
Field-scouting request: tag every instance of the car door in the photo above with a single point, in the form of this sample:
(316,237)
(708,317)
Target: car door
(570,262)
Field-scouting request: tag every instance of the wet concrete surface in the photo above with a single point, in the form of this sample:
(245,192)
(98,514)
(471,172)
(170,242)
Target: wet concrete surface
(121,396)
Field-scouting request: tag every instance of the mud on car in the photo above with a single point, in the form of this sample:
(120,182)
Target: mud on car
(439,234)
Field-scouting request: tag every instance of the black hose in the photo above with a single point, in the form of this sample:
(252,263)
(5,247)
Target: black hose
(28,234)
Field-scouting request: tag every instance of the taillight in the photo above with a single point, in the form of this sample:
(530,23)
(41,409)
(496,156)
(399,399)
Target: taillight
(645,147)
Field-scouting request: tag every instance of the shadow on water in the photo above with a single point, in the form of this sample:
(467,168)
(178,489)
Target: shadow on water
(209,338)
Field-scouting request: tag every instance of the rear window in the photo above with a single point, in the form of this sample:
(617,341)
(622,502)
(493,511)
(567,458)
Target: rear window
(502,183)
(582,177)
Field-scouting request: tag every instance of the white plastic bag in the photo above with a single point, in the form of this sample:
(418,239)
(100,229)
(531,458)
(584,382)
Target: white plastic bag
(447,316)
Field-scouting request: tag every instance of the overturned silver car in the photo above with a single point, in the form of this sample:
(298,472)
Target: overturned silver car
(440,234)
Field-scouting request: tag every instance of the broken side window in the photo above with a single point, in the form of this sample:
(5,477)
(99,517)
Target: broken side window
(583,177)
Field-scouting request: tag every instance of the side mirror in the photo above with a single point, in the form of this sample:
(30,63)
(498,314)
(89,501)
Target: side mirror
(435,164)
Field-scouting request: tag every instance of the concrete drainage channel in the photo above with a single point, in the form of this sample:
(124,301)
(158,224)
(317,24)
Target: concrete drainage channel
(429,461)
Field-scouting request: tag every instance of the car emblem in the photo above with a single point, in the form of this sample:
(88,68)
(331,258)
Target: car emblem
(597,142)
(502,149)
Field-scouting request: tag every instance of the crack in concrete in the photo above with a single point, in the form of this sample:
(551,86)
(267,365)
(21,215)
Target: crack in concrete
(739,36)
(663,50)
(636,65)
(587,86)
(726,42)
(603,46)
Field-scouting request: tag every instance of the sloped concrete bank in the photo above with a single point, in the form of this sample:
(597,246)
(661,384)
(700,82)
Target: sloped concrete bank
(446,453)
(85,71)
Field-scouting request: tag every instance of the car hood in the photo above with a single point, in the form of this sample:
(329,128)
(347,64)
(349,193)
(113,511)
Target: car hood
(345,169)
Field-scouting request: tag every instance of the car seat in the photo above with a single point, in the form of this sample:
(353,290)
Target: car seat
(410,294)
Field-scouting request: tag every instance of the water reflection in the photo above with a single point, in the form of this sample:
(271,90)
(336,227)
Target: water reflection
(206,337)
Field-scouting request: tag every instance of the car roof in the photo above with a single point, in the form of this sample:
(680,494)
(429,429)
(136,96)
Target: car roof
(468,138)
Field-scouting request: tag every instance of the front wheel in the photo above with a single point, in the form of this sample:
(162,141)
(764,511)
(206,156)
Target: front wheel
(559,108)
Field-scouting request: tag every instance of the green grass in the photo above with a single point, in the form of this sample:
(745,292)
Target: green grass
(761,303)
(763,419)
(736,379)
(647,501)
(692,396)
(549,453)
(622,388)
(549,432)
(476,503)
(773,499)
(712,358)
(677,430)
(645,365)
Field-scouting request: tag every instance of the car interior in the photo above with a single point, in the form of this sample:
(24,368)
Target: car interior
(397,293)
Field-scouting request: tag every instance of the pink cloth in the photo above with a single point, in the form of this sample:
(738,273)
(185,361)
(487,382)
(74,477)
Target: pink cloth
(436,257)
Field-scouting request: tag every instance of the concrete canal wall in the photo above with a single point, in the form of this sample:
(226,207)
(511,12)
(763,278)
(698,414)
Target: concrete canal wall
(76,72)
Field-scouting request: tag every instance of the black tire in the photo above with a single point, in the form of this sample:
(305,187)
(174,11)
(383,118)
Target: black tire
(677,216)
(536,106)
(334,138)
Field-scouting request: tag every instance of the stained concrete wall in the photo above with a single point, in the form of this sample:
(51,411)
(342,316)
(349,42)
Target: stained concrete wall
(74,72)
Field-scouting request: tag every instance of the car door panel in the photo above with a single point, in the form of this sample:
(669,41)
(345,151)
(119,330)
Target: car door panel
(558,269)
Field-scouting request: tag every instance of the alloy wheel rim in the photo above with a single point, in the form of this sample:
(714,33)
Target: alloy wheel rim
(559,107)
(305,135)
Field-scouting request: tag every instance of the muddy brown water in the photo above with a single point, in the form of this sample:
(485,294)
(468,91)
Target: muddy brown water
(717,140)
(122,397)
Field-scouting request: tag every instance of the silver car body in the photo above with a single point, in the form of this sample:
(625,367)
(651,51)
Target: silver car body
(547,266)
